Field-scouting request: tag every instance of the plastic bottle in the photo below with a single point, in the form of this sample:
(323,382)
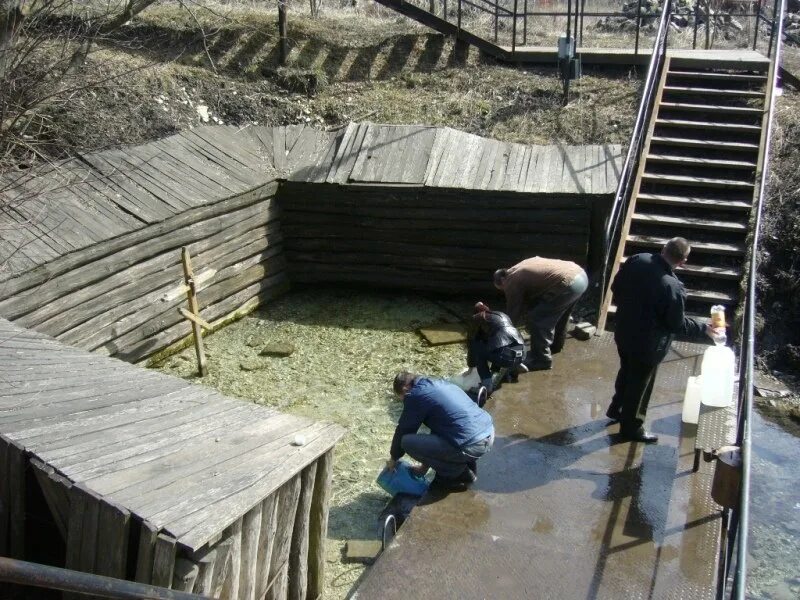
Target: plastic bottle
(717,376)
(691,400)
(717,321)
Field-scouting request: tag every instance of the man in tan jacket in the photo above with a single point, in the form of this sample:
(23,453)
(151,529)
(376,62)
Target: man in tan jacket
(540,293)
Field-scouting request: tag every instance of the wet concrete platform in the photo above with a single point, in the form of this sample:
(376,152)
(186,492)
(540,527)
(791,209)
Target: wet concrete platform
(563,508)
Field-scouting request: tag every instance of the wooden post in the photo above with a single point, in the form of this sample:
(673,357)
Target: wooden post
(283,40)
(318,526)
(191,296)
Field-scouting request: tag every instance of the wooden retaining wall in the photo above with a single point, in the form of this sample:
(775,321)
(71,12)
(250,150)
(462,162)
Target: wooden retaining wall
(108,298)
(424,238)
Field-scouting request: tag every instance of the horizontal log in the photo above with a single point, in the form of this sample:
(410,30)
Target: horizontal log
(161,316)
(478,239)
(69,262)
(566,250)
(93,270)
(95,302)
(262,291)
(123,318)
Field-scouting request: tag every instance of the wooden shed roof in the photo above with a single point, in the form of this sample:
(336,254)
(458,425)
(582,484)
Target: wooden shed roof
(180,456)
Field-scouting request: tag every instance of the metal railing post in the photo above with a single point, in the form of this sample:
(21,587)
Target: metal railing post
(514,30)
(583,10)
(444,10)
(696,21)
(775,25)
(496,8)
(708,25)
(525,24)
(638,27)
(758,19)
(459,15)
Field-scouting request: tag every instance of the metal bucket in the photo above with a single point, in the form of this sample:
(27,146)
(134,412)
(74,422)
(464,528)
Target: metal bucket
(727,476)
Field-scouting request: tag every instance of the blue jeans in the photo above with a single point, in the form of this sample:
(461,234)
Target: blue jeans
(444,458)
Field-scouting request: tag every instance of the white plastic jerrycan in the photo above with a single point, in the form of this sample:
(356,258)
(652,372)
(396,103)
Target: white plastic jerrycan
(717,376)
(691,400)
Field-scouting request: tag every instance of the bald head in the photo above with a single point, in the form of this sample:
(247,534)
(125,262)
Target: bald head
(676,251)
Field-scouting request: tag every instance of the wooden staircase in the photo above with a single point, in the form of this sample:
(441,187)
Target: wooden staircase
(697,177)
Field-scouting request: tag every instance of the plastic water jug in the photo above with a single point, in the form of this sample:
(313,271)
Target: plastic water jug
(402,480)
(691,400)
(467,379)
(717,376)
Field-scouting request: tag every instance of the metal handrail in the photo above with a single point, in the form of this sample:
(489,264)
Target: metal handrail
(743,440)
(25,573)
(627,176)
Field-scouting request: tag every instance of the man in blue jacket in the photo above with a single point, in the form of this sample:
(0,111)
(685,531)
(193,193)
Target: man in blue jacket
(650,313)
(461,432)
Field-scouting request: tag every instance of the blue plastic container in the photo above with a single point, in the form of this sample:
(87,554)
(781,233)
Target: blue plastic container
(402,480)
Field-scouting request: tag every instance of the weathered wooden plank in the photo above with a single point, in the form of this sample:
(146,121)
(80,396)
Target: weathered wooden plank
(185,575)
(288,498)
(205,561)
(87,557)
(222,563)
(18,291)
(248,573)
(230,588)
(5,499)
(113,526)
(318,527)
(266,542)
(251,486)
(55,490)
(298,556)
(145,553)
(438,149)
(163,560)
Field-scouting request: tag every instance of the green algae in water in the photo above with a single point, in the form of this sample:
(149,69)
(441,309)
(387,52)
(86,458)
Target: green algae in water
(347,349)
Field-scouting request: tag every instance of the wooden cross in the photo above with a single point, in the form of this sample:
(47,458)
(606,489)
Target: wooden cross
(189,287)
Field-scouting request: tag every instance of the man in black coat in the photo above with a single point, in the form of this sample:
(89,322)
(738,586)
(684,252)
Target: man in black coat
(492,338)
(650,313)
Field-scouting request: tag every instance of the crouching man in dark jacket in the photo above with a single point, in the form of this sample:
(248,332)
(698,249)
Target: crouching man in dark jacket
(492,338)
(461,432)
(650,313)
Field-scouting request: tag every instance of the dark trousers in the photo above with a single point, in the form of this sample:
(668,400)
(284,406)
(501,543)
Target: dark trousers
(447,460)
(632,391)
(479,356)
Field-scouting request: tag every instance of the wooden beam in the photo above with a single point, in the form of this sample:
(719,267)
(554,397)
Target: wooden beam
(177,292)
(191,296)
(195,319)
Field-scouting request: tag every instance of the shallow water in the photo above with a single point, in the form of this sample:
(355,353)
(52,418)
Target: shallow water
(348,350)
(774,549)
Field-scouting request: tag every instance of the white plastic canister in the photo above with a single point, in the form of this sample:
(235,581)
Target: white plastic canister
(717,376)
(691,400)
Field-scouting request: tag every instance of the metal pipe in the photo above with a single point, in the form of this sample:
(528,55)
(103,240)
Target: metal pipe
(772,29)
(708,26)
(21,572)
(459,15)
(496,5)
(525,24)
(583,13)
(745,442)
(696,21)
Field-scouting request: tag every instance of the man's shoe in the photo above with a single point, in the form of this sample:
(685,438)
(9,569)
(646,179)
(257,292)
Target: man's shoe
(467,477)
(446,484)
(614,413)
(640,435)
(472,465)
(482,397)
(539,365)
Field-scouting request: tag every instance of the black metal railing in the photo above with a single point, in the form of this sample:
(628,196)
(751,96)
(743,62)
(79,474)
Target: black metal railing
(736,550)
(489,20)
(30,574)
(627,177)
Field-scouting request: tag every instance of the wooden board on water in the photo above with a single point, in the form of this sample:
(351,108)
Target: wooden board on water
(443,333)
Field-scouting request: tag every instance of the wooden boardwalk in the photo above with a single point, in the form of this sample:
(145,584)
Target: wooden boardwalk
(116,448)
(562,507)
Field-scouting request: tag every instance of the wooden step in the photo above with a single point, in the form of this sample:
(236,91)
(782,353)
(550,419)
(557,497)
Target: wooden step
(705,271)
(688,180)
(700,91)
(709,144)
(694,161)
(708,125)
(690,222)
(718,76)
(693,202)
(711,296)
(650,241)
(715,109)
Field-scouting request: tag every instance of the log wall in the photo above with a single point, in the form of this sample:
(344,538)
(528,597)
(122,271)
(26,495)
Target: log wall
(425,238)
(108,298)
